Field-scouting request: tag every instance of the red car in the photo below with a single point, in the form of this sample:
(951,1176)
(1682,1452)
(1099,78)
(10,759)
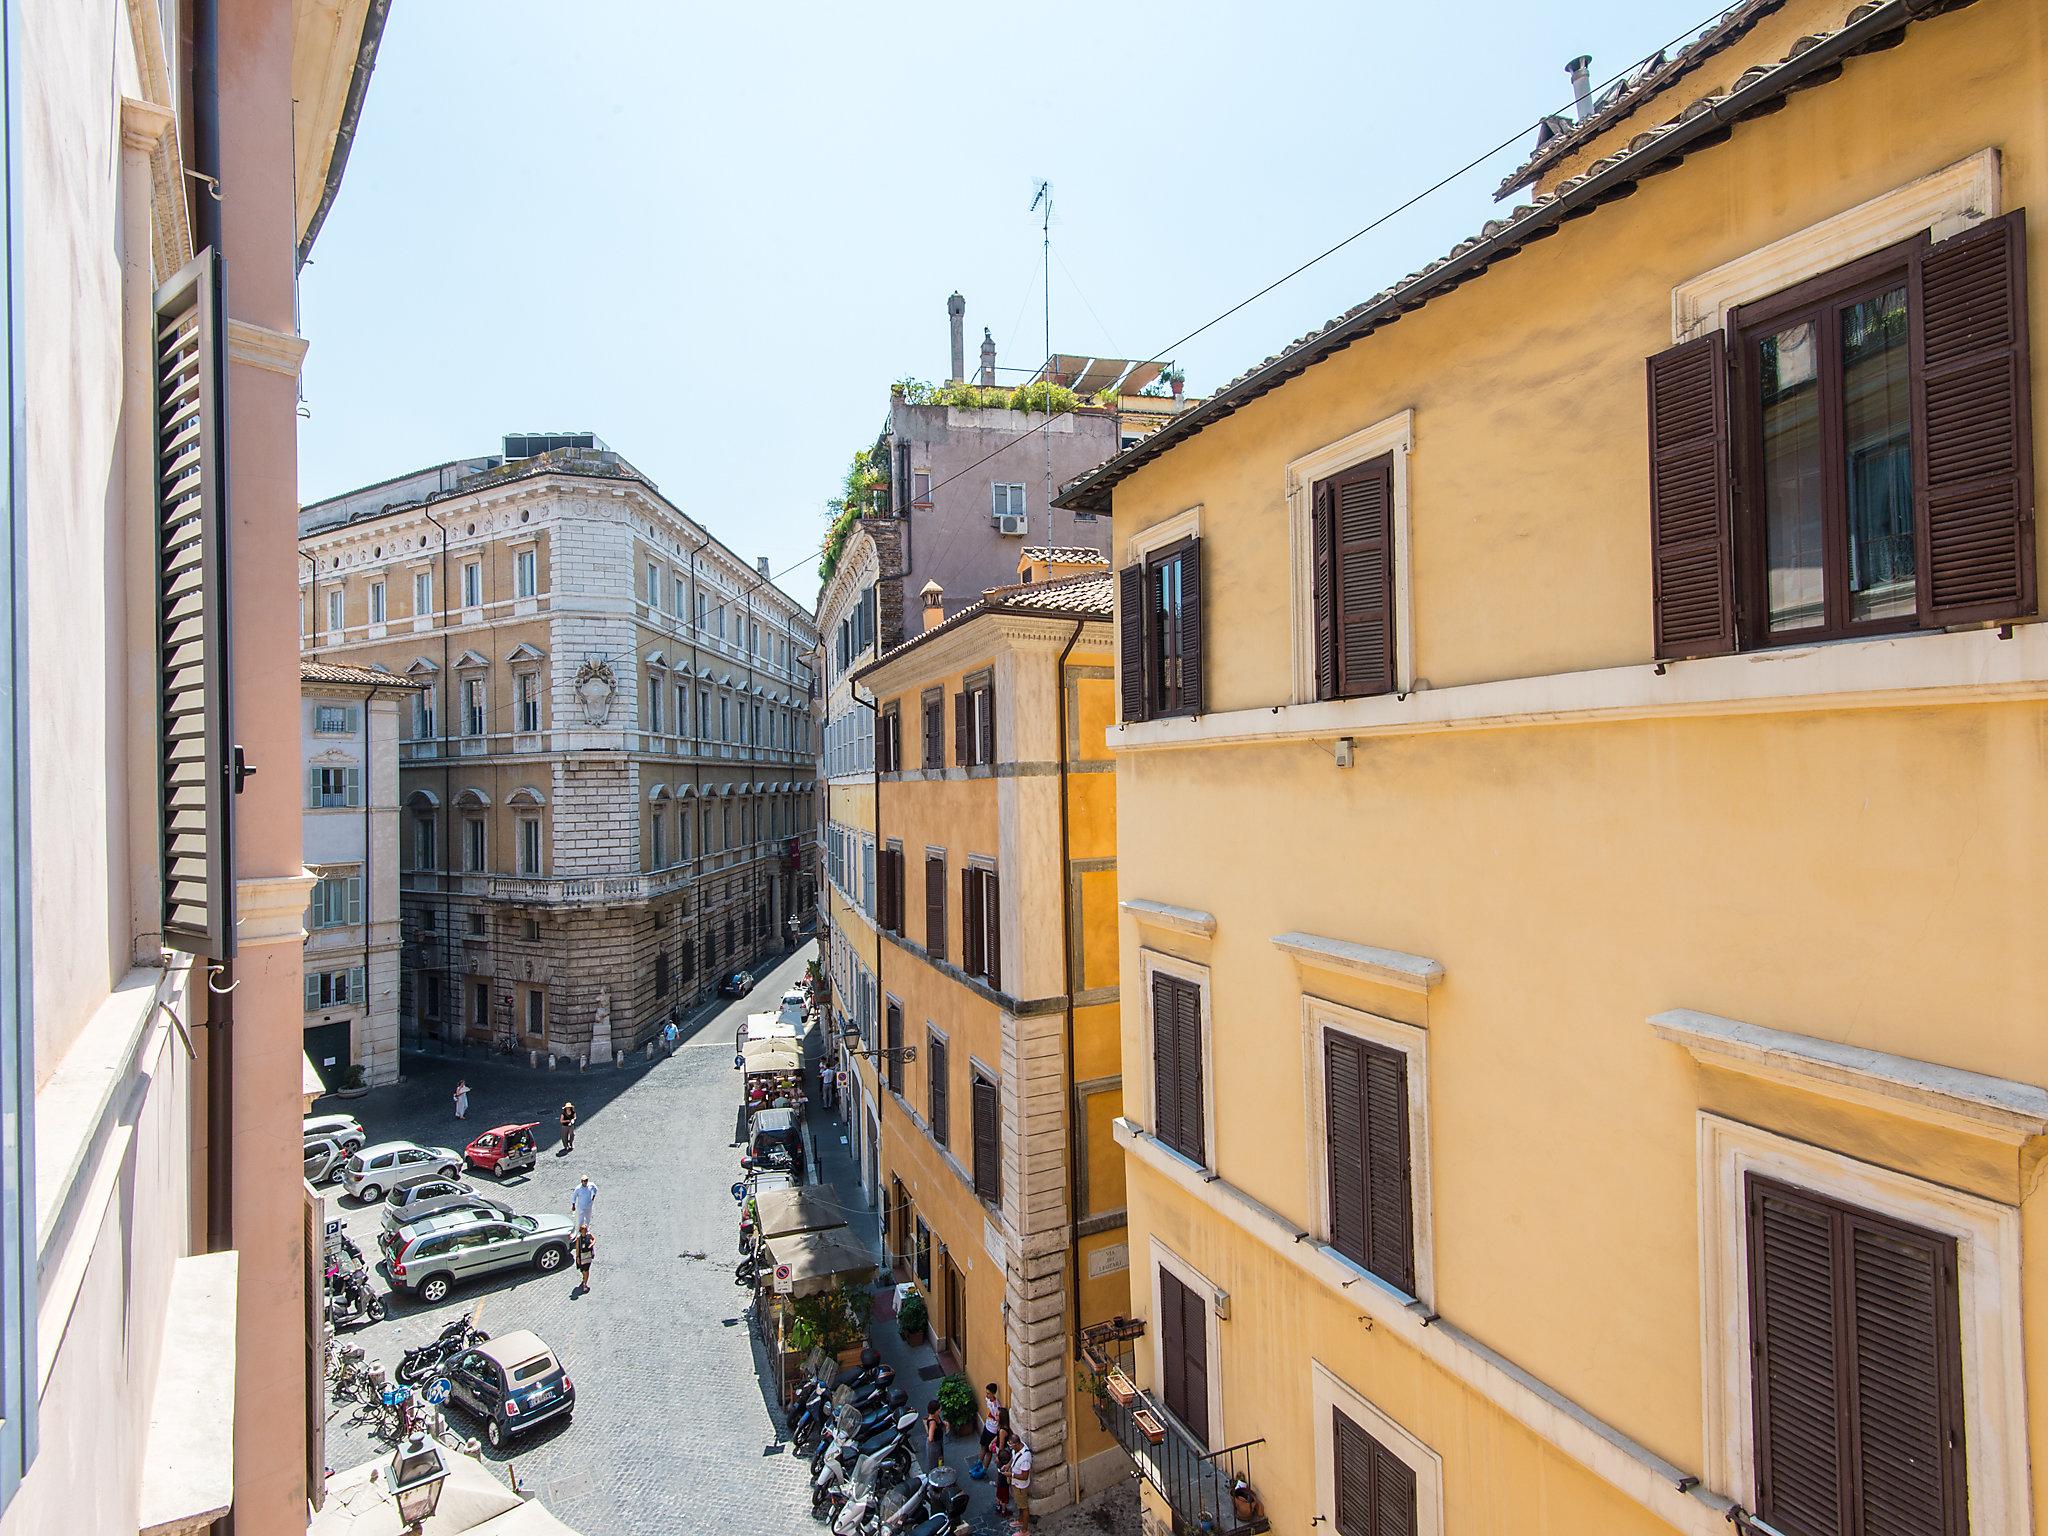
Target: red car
(503,1150)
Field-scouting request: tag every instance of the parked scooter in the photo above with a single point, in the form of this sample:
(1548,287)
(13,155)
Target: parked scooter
(855,1427)
(870,1464)
(425,1361)
(909,1503)
(350,1301)
(948,1519)
(817,1405)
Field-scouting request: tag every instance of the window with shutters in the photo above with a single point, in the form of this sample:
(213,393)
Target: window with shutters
(335,719)
(935,905)
(1182,1327)
(974,721)
(889,740)
(337,901)
(1369,1146)
(1852,457)
(1177,1036)
(988,1140)
(1375,1488)
(932,713)
(1159,633)
(1352,561)
(981,924)
(328,788)
(892,1042)
(1857,1397)
(1373,1478)
(938,1088)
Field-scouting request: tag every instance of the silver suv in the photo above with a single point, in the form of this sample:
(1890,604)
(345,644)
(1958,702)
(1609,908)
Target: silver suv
(432,1257)
(375,1169)
(430,1194)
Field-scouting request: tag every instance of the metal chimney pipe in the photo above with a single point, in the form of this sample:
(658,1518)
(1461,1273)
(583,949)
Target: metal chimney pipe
(956,310)
(1582,89)
(988,358)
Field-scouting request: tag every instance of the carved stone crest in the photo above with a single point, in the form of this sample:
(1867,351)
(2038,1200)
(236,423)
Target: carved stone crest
(595,688)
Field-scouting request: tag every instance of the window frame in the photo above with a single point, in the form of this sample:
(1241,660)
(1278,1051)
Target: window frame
(1164,1258)
(1393,436)
(1820,299)
(1157,962)
(526,682)
(526,571)
(1320,1016)
(938,1086)
(378,602)
(472,584)
(531,861)
(1331,1394)
(999,499)
(931,717)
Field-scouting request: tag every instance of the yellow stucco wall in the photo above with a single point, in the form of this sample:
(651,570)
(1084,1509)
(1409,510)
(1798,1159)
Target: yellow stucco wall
(1870,877)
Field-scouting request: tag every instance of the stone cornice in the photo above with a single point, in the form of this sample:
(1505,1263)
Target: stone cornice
(1163,914)
(1392,967)
(150,128)
(271,909)
(261,347)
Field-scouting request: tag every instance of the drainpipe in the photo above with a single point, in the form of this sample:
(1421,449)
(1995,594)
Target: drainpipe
(1059,684)
(881,994)
(697,735)
(369,849)
(451,993)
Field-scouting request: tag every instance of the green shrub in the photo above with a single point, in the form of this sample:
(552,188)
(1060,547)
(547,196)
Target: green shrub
(912,1317)
(956,1401)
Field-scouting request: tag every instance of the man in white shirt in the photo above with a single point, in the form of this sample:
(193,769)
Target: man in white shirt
(582,1199)
(1020,1482)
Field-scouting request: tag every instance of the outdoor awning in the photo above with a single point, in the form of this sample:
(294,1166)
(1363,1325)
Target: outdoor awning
(472,1500)
(772,1056)
(818,1261)
(810,1208)
(772,1029)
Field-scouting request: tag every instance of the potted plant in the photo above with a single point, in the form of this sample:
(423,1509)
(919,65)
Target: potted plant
(956,1403)
(1098,1394)
(913,1319)
(354,1084)
(1120,1387)
(1244,1502)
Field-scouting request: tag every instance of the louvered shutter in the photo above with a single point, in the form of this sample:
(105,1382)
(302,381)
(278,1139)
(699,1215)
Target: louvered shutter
(1362,539)
(963,728)
(1800,1431)
(893,1029)
(1344,1125)
(935,906)
(1375,1488)
(1691,539)
(938,1102)
(1184,1356)
(1130,628)
(992,920)
(1973,425)
(1387,1193)
(1187,1015)
(1909,1462)
(1323,579)
(988,1148)
(1189,622)
(970,921)
(1172,1354)
(985,722)
(195,756)
(1165,1062)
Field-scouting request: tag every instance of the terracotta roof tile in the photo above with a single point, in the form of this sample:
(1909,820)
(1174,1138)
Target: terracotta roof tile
(362,677)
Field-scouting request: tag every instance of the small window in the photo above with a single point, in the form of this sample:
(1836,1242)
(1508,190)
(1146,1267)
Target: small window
(1352,552)
(334,611)
(422,593)
(935,905)
(329,788)
(529,845)
(893,1043)
(921,487)
(337,901)
(658,841)
(938,1089)
(334,720)
(376,602)
(527,686)
(932,710)
(525,572)
(476,923)
(988,1140)
(981,925)
(423,715)
(473,584)
(661,975)
(473,706)
(1159,633)
(1008,498)
(1179,1094)
(425,845)
(1376,1491)
(473,844)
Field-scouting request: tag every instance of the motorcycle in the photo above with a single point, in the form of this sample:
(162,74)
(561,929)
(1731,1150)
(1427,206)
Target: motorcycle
(425,1361)
(350,1301)
(871,1466)
(820,1402)
(902,1506)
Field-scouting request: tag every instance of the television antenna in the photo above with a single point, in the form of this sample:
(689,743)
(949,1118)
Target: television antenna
(1041,197)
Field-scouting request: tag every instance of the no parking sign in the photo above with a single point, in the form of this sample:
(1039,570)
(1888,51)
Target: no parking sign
(785,1282)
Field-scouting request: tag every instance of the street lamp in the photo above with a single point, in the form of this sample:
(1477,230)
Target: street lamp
(417,1472)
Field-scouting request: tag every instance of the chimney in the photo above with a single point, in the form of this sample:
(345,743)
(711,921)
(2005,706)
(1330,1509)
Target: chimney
(988,359)
(933,596)
(761,565)
(1582,91)
(956,309)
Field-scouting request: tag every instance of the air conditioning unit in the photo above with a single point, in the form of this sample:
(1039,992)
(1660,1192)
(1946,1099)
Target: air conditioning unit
(1010,523)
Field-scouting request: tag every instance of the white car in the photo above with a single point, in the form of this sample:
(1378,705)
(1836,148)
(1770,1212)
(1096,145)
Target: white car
(375,1169)
(345,1129)
(423,1196)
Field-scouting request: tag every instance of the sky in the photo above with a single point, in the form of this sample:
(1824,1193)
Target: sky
(715,235)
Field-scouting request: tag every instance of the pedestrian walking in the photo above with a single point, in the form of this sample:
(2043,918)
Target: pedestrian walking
(991,1420)
(586,1250)
(583,1200)
(934,1438)
(568,1119)
(461,1099)
(1020,1480)
(668,1035)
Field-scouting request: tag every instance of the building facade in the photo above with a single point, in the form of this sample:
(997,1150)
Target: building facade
(606,777)
(350,720)
(154,1295)
(1578,826)
(997,1043)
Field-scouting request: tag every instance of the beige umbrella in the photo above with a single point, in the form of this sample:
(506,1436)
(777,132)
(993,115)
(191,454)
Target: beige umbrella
(359,1503)
(819,1260)
(810,1208)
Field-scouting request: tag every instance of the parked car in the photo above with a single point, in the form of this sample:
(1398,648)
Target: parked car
(432,1193)
(342,1128)
(432,1258)
(736,984)
(325,1158)
(512,1383)
(375,1169)
(503,1150)
(390,1239)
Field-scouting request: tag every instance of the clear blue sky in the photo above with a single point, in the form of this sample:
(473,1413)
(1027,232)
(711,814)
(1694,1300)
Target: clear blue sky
(714,235)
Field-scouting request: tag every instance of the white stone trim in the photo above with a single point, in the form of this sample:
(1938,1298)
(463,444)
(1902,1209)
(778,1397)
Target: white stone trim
(1165,915)
(1415,973)
(1213,1301)
(1182,525)
(1949,1097)
(261,347)
(1331,1394)
(1395,436)
(1318,1015)
(1152,962)
(1915,670)
(272,909)
(1987,1238)
(1944,203)
(1626,1464)
(188,1467)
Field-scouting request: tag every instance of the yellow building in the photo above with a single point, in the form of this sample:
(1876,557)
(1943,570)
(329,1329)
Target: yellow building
(996,1035)
(1581,833)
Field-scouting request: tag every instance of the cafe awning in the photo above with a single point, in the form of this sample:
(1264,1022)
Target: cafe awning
(772,1056)
(359,1503)
(818,1261)
(810,1208)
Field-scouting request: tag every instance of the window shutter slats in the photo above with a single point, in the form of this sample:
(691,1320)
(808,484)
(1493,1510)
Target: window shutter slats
(1193,1409)
(893,1028)
(1192,697)
(1375,1488)
(1799,1428)
(992,919)
(1393,1494)
(195,740)
(935,1069)
(1973,419)
(1899,1299)
(1387,1183)
(985,721)
(988,1151)
(970,921)
(1344,1096)
(1130,625)
(963,728)
(1172,1356)
(1187,1008)
(1165,1056)
(1324,584)
(1362,540)
(1691,539)
(935,906)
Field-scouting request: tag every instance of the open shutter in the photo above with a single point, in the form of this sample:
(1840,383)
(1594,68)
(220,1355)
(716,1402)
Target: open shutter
(1325,583)
(1190,622)
(988,1148)
(992,921)
(195,743)
(1344,1124)
(1363,558)
(935,906)
(1165,1062)
(970,921)
(1973,425)
(1387,1193)
(1800,1420)
(1130,628)
(1692,549)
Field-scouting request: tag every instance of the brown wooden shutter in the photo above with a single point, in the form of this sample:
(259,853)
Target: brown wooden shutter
(970,921)
(939,1088)
(1375,1488)
(935,905)
(195,742)
(1172,1352)
(1165,1061)
(1692,549)
(1190,623)
(988,1141)
(1344,1125)
(963,728)
(1184,1355)
(1130,627)
(1187,1013)
(893,1041)
(1324,579)
(1909,1464)
(1389,1201)
(992,920)
(985,722)
(1362,523)
(1799,1415)
(1973,425)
